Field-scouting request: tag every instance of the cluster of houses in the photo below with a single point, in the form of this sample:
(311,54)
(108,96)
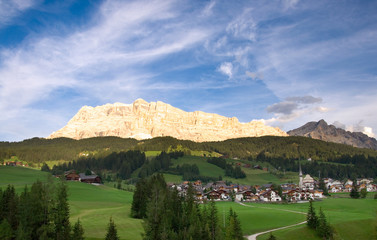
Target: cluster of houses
(15,163)
(219,191)
(82,177)
(335,186)
(307,189)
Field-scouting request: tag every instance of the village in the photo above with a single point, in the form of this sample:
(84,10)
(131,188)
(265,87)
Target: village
(307,189)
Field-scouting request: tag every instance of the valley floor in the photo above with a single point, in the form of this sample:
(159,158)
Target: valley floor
(94,205)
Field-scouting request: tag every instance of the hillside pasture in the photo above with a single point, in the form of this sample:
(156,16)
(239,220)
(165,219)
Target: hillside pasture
(351,218)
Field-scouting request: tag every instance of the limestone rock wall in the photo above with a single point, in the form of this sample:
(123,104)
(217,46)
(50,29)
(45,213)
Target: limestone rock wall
(142,120)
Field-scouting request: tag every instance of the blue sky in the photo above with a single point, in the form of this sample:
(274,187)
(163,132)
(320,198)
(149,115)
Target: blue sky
(286,62)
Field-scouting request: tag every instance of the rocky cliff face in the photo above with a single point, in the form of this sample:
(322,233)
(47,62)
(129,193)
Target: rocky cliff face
(142,120)
(322,131)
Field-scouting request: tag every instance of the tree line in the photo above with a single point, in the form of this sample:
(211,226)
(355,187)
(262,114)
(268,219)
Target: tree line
(351,167)
(123,164)
(41,212)
(169,215)
(38,150)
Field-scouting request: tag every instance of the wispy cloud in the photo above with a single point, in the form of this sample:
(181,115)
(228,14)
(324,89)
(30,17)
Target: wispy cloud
(319,67)
(101,60)
(11,8)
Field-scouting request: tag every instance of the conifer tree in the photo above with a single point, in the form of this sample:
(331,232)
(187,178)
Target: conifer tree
(233,229)
(61,214)
(9,207)
(324,230)
(141,198)
(354,192)
(78,231)
(155,208)
(112,233)
(6,231)
(312,219)
(24,229)
(363,193)
(213,221)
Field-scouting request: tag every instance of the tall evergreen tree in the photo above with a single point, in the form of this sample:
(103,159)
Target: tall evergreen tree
(233,229)
(24,230)
(41,209)
(9,207)
(78,231)
(112,233)
(312,219)
(213,221)
(354,191)
(154,220)
(61,214)
(140,199)
(324,230)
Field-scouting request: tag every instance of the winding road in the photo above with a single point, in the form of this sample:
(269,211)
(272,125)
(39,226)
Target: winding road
(255,235)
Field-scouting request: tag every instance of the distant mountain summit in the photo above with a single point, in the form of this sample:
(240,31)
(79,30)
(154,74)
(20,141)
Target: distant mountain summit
(142,120)
(322,131)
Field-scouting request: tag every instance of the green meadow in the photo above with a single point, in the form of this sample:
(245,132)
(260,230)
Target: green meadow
(94,205)
(351,218)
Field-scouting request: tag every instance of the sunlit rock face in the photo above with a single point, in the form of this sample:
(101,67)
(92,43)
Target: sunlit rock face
(142,120)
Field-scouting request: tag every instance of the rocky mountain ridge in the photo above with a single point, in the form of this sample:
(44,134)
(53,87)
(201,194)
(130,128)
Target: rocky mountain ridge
(322,131)
(143,120)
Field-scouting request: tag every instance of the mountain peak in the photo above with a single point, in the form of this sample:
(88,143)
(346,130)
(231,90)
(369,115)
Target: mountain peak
(143,120)
(322,131)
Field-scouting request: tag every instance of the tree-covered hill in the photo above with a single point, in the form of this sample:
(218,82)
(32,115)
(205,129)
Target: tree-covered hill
(38,150)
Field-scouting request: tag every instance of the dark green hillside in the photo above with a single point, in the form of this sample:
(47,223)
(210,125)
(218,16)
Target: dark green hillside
(38,150)
(280,152)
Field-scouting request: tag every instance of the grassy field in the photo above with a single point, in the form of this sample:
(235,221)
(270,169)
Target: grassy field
(20,176)
(351,218)
(93,205)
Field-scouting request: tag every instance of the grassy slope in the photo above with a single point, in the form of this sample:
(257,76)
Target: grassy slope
(94,205)
(20,176)
(259,218)
(351,218)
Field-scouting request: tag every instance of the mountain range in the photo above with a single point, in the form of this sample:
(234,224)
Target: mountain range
(322,131)
(143,120)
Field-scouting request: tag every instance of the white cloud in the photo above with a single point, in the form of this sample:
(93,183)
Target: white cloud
(102,62)
(359,127)
(11,8)
(226,68)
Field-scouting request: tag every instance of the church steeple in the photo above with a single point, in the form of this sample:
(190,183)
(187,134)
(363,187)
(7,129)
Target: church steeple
(300,185)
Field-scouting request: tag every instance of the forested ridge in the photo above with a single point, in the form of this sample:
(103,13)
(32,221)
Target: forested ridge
(39,150)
